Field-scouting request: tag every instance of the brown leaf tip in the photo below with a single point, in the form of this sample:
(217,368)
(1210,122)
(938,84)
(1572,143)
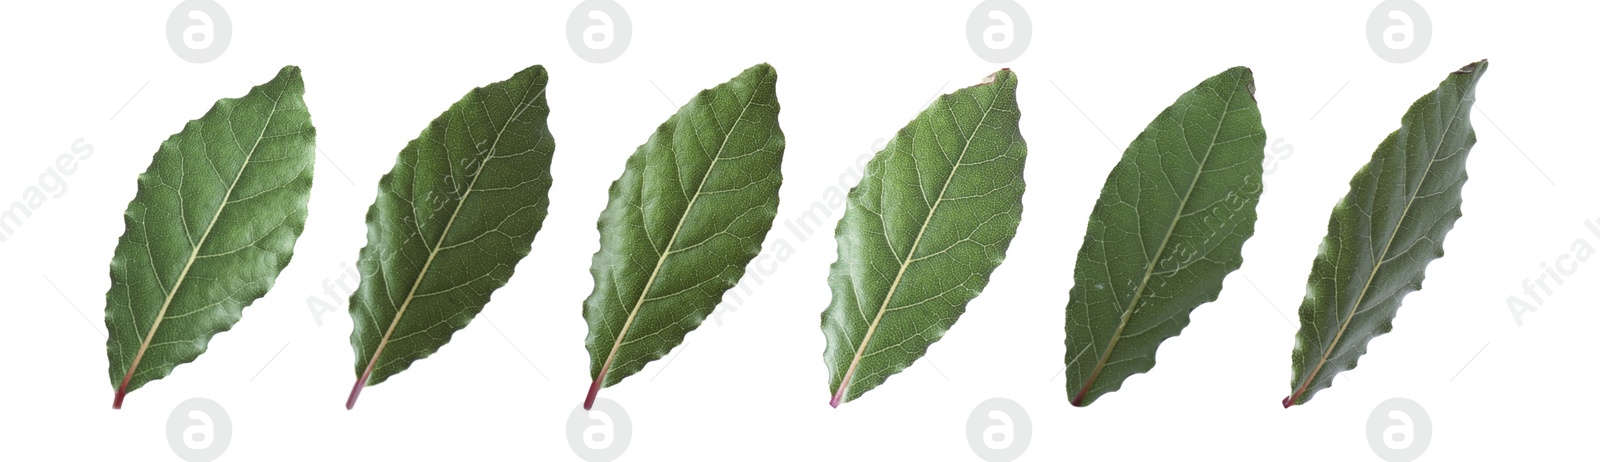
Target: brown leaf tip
(1473,68)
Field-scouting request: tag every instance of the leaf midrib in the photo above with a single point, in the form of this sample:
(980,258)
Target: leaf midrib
(1127,313)
(438,244)
(195,252)
(639,303)
(1367,285)
(849,374)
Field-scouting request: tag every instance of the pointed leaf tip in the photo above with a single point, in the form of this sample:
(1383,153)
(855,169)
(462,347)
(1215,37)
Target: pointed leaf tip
(1249,77)
(1001,75)
(1474,67)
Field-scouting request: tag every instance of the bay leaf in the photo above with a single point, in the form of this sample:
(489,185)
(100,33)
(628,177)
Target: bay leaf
(689,212)
(453,217)
(1168,227)
(214,221)
(929,222)
(1384,233)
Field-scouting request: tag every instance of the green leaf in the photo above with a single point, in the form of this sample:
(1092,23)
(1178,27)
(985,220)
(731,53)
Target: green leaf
(689,212)
(214,221)
(451,221)
(1167,229)
(921,233)
(1383,234)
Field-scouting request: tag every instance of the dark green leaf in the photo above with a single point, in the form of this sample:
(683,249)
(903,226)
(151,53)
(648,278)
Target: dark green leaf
(689,212)
(214,222)
(922,232)
(451,221)
(1167,229)
(1383,234)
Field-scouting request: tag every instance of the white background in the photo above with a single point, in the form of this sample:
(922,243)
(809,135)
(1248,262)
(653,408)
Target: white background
(754,386)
